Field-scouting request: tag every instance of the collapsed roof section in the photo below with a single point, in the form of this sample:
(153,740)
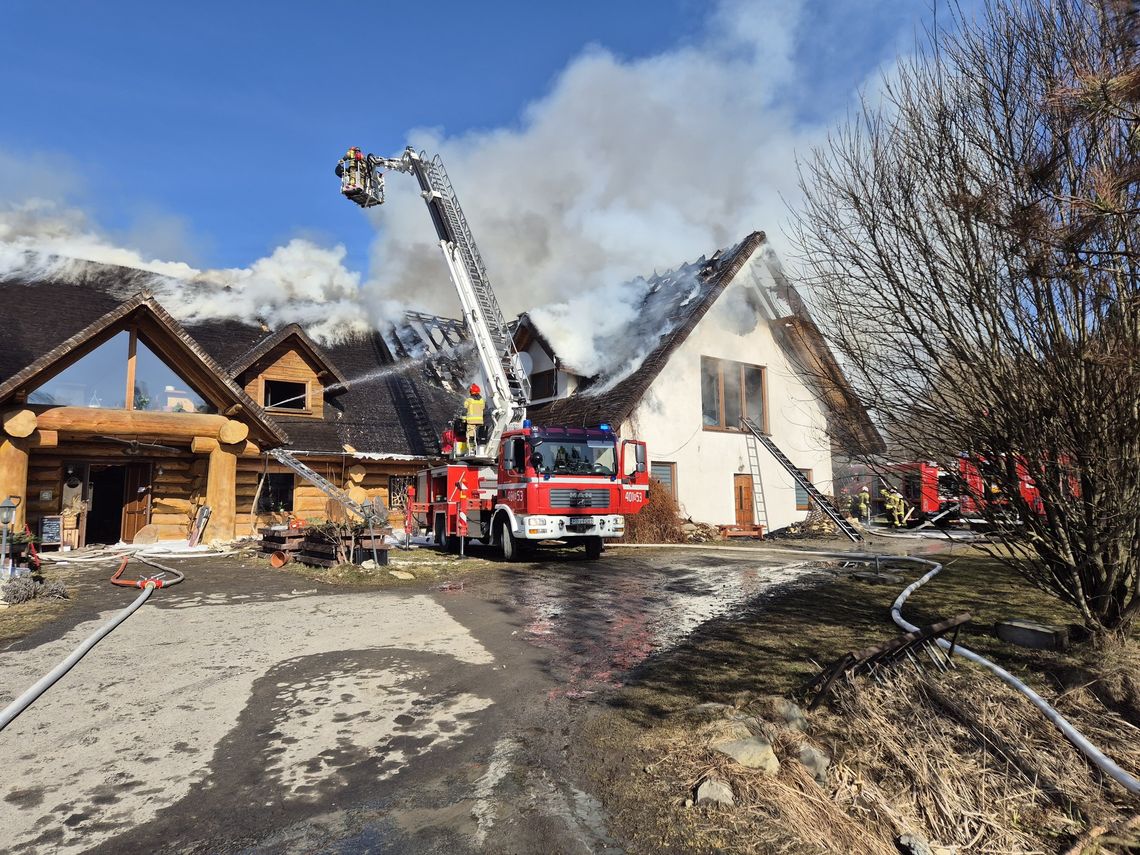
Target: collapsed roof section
(666,311)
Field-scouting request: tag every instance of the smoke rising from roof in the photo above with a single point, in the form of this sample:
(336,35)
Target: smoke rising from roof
(299,282)
(625,165)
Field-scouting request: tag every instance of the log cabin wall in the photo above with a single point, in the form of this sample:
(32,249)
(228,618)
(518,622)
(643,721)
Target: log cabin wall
(284,362)
(363,480)
(177,485)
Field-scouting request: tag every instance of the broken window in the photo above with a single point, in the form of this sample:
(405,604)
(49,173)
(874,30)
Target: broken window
(730,391)
(286,395)
(543,384)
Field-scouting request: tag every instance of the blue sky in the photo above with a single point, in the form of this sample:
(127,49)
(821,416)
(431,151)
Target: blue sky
(207,132)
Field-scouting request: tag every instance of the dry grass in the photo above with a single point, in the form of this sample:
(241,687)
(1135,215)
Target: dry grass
(961,759)
(659,521)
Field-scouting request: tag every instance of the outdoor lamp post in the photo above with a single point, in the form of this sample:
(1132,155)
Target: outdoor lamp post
(7,514)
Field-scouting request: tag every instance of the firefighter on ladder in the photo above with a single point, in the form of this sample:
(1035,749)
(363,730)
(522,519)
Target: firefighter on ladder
(473,407)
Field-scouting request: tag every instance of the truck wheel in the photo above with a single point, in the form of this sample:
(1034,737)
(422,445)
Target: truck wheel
(593,548)
(510,544)
(453,544)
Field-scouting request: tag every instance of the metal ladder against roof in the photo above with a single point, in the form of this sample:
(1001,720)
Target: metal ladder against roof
(816,496)
(518,382)
(323,484)
(759,504)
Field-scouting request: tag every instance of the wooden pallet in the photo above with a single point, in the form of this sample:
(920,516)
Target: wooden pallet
(742,531)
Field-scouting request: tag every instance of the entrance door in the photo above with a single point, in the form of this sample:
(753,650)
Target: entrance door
(742,490)
(105,503)
(136,500)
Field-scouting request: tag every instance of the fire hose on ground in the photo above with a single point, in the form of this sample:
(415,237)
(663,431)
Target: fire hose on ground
(148,586)
(1095,756)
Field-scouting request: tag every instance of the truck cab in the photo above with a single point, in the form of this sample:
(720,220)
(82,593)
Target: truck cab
(567,484)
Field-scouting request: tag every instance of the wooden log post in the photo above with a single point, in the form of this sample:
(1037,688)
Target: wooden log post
(221,492)
(14,476)
(18,423)
(233,432)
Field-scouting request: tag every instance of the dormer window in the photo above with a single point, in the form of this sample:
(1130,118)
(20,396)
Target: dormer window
(286,395)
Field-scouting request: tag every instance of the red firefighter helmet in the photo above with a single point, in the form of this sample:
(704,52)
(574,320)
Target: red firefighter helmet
(474,390)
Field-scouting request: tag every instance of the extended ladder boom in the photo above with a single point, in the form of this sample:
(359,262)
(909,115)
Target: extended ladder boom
(820,500)
(509,385)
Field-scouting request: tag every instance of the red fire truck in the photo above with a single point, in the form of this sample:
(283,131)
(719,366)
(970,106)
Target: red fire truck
(552,483)
(524,484)
(968,493)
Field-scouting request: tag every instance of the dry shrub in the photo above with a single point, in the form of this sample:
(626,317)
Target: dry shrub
(659,521)
(969,762)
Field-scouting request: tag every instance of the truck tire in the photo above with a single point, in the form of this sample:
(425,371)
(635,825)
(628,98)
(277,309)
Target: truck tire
(510,544)
(453,544)
(593,548)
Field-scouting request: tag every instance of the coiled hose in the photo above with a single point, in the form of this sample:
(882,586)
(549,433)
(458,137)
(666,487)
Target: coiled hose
(49,679)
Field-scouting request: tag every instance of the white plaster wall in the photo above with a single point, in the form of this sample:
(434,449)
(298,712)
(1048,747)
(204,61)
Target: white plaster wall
(669,417)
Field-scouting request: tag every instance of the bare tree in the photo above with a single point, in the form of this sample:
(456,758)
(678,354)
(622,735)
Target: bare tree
(971,237)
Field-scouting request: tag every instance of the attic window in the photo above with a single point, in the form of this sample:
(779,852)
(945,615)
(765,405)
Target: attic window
(286,395)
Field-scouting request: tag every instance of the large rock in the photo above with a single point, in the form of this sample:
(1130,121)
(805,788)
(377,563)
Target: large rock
(815,761)
(753,752)
(792,715)
(913,844)
(715,791)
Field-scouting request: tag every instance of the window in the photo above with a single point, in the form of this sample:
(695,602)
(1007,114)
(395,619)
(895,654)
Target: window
(276,493)
(730,391)
(666,474)
(543,384)
(159,389)
(803,500)
(286,395)
(398,490)
(102,377)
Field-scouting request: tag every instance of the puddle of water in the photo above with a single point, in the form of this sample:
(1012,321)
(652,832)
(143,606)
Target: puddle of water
(605,623)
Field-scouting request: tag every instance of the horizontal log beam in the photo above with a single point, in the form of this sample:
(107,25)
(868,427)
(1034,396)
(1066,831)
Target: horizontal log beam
(89,421)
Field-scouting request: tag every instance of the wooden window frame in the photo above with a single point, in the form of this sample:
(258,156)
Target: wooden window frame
(721,427)
(673,476)
(307,410)
(807,473)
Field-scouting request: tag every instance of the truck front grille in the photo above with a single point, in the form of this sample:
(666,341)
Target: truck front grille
(570,498)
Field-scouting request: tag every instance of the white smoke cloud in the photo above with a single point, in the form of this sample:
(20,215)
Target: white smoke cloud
(624,166)
(299,282)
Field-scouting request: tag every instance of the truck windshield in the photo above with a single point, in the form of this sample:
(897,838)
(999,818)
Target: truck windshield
(590,457)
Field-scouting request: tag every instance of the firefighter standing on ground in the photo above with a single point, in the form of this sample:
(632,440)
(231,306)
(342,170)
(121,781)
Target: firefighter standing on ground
(863,504)
(473,416)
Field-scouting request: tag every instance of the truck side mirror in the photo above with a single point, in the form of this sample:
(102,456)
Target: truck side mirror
(640,468)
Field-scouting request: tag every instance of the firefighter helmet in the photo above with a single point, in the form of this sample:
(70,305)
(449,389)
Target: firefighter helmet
(474,390)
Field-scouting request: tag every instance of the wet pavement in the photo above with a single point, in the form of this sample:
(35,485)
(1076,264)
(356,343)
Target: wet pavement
(248,711)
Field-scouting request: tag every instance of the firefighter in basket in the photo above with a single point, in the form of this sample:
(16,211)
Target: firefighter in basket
(359,180)
(473,407)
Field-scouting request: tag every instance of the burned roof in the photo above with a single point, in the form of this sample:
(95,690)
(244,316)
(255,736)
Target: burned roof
(673,304)
(393,393)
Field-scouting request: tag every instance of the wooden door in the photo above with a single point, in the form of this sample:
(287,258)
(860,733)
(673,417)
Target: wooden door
(742,490)
(136,500)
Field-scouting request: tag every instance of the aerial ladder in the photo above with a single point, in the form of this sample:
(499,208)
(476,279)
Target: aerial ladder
(362,181)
